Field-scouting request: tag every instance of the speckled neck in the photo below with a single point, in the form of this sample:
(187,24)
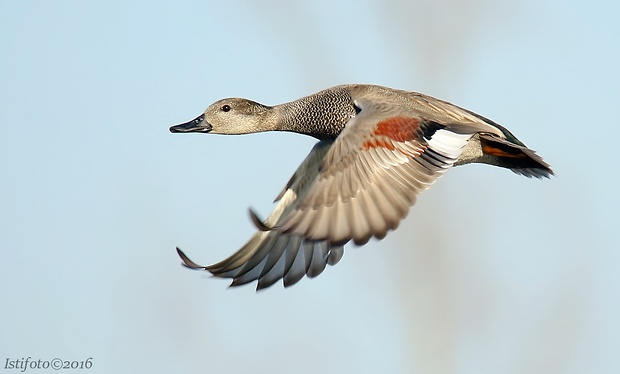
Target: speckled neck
(322,115)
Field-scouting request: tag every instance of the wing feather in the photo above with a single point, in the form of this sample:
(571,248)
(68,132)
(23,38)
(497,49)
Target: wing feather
(270,256)
(372,175)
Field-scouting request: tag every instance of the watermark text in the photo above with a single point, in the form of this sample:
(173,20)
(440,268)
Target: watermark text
(28,363)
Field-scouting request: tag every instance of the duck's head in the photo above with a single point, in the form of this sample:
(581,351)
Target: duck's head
(230,116)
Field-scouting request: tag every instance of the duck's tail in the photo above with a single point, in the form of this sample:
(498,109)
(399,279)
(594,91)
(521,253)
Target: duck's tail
(514,155)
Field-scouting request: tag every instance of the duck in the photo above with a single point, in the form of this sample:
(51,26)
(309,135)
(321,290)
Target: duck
(378,148)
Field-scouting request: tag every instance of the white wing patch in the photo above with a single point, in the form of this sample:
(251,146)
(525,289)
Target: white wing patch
(448,143)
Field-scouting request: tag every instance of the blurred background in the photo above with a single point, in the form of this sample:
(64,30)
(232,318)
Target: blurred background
(490,273)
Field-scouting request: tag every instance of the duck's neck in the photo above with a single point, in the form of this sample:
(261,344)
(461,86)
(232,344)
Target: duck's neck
(322,115)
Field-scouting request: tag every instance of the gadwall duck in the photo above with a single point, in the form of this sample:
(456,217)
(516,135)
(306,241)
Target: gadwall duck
(378,149)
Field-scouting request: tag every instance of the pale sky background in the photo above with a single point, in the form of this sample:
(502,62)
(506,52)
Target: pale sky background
(490,273)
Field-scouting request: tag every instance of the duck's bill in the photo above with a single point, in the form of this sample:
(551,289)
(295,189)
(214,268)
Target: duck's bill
(198,124)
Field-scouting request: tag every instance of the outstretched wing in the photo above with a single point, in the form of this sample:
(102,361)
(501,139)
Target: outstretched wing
(273,255)
(386,156)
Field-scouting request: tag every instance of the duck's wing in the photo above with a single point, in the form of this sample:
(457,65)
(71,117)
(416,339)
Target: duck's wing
(493,143)
(271,255)
(385,157)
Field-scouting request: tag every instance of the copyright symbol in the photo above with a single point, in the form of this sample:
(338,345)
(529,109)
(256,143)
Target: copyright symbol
(56,364)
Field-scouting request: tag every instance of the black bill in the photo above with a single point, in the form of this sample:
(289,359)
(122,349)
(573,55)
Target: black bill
(198,124)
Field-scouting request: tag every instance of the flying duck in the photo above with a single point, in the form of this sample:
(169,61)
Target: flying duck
(378,149)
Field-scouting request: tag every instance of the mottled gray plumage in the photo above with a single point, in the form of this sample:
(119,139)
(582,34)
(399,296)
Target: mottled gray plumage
(379,149)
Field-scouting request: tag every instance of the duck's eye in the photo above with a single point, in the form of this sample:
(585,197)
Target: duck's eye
(226,108)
